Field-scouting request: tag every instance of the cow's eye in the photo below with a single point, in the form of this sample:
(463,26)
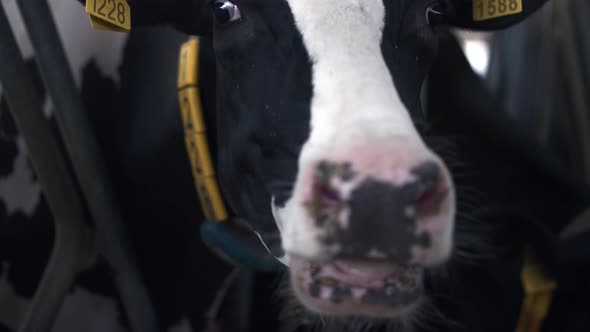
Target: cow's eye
(436,14)
(225,11)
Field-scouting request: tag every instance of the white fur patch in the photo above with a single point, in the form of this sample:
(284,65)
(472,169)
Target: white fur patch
(81,42)
(20,191)
(355,101)
(352,86)
(85,311)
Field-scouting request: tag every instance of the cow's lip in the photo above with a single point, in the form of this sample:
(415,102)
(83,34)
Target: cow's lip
(359,287)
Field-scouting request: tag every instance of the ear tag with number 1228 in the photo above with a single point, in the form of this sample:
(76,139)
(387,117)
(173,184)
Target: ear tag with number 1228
(113,15)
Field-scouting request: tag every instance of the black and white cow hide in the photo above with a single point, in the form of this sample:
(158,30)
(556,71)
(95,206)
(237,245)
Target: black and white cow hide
(26,229)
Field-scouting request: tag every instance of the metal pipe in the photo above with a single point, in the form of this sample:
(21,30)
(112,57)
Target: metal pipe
(580,10)
(90,169)
(58,185)
(571,63)
(545,95)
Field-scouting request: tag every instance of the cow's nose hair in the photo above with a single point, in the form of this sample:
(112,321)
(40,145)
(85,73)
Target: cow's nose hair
(384,215)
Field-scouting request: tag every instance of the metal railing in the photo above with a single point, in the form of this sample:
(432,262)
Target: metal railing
(71,251)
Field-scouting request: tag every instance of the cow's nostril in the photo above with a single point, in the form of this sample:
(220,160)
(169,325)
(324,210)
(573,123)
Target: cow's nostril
(426,197)
(427,173)
(327,195)
(430,200)
(431,190)
(325,202)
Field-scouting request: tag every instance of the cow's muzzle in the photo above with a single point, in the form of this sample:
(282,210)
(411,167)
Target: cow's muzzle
(375,218)
(376,232)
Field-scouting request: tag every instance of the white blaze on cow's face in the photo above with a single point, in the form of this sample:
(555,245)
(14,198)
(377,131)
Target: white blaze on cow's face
(368,188)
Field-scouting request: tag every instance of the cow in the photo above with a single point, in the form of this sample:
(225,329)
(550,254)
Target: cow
(383,214)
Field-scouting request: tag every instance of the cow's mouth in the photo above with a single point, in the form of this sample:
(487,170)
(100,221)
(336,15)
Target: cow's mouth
(357,287)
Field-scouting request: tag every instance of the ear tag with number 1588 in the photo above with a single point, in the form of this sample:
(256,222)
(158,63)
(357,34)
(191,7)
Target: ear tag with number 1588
(114,15)
(489,9)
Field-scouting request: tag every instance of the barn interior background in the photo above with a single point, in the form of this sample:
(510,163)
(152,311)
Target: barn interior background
(540,70)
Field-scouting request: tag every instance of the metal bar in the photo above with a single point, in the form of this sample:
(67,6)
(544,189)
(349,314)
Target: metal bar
(571,62)
(90,169)
(580,10)
(545,95)
(69,250)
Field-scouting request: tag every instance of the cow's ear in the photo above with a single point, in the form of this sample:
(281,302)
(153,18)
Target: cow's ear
(190,16)
(489,14)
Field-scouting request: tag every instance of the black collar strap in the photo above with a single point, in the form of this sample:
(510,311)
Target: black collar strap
(233,243)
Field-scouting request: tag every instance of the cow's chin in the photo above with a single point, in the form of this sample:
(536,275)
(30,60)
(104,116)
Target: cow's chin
(371,288)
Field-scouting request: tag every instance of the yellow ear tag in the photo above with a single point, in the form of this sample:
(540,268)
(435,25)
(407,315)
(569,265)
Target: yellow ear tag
(113,15)
(489,9)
